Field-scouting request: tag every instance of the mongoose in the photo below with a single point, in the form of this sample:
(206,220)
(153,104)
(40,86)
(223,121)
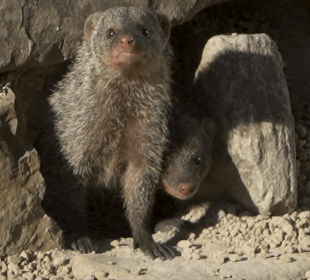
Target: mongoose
(187,162)
(188,157)
(111,111)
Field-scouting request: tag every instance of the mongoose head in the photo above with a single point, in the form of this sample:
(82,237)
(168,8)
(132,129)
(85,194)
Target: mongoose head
(127,39)
(189,157)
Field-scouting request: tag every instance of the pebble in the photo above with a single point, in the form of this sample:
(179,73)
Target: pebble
(234,257)
(286,259)
(114,243)
(40,278)
(28,276)
(136,271)
(307,274)
(247,249)
(24,255)
(304,215)
(184,244)
(196,256)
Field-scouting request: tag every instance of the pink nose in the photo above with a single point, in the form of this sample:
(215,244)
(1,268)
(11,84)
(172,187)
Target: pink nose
(185,188)
(126,42)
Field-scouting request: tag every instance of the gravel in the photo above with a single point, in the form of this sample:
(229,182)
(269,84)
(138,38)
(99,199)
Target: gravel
(50,265)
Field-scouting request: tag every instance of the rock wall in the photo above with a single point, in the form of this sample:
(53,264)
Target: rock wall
(23,223)
(38,32)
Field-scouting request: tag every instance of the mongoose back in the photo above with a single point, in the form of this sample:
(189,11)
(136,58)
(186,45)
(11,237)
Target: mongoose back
(111,111)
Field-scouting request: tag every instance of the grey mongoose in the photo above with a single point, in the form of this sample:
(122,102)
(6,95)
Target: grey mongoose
(111,111)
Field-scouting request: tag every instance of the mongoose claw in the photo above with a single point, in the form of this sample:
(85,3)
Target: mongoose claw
(72,241)
(156,250)
(83,244)
(164,252)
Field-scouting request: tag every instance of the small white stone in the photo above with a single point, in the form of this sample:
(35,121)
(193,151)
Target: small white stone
(14,259)
(234,257)
(28,276)
(184,244)
(60,260)
(24,255)
(306,241)
(13,269)
(266,232)
(247,249)
(40,255)
(45,272)
(304,215)
(114,243)
(196,256)
(262,217)
(46,259)
(307,274)
(187,254)
(3,267)
(286,259)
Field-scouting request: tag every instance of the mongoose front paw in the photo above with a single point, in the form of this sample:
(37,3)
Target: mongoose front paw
(77,243)
(83,244)
(155,250)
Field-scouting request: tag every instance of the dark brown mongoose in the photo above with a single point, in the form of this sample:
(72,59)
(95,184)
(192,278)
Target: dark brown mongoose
(111,111)
(188,157)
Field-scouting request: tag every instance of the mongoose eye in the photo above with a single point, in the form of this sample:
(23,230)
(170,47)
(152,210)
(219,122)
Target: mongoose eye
(198,160)
(111,32)
(144,32)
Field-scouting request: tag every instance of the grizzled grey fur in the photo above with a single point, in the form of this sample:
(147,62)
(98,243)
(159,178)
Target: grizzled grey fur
(111,111)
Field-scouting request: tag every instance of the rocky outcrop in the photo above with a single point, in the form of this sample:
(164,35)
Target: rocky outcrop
(241,86)
(44,32)
(23,223)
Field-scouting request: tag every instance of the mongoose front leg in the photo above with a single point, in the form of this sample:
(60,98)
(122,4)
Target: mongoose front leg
(139,194)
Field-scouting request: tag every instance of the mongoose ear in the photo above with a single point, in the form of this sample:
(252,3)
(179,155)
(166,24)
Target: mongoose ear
(89,25)
(165,25)
(209,126)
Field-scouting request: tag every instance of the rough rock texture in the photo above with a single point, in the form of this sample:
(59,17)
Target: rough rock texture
(41,32)
(23,223)
(240,85)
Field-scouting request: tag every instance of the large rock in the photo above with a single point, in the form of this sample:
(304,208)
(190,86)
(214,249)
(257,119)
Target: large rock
(23,223)
(41,32)
(241,85)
